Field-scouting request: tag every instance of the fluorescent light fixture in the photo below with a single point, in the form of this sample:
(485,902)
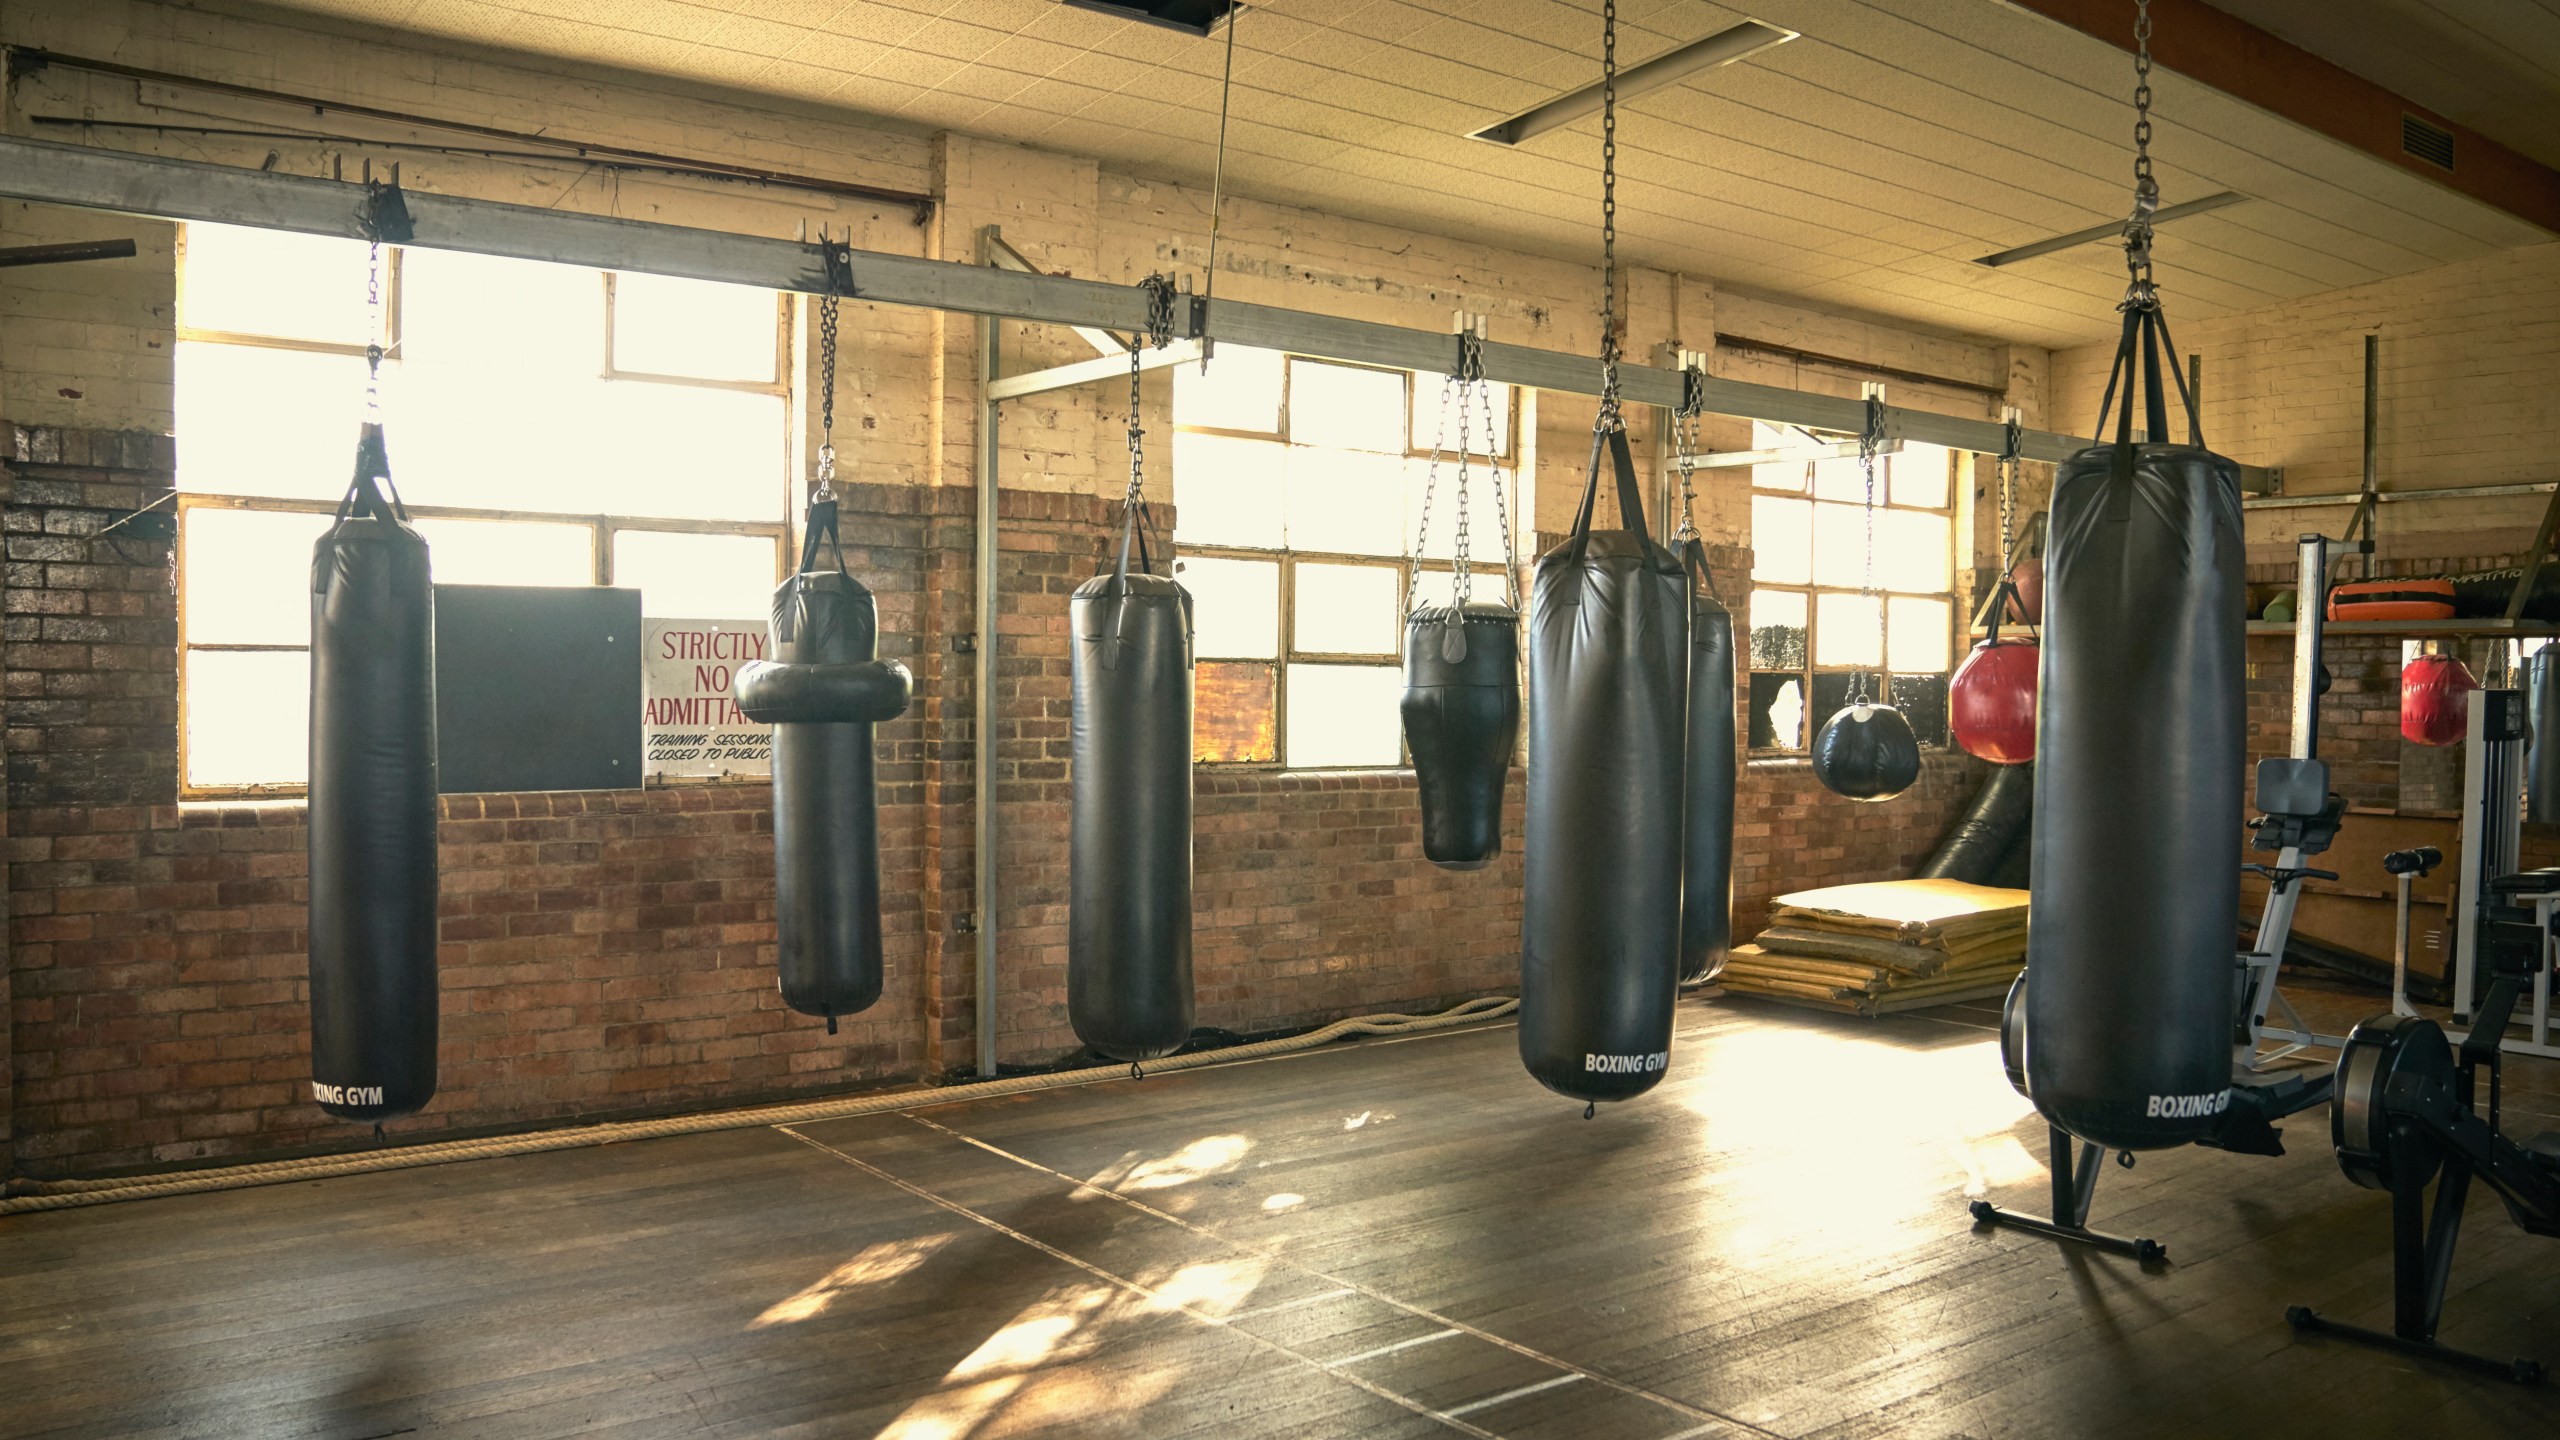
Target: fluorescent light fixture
(1677,63)
(1192,17)
(2109,231)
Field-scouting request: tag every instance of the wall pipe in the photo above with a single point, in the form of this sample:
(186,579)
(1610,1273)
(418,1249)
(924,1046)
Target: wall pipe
(983,720)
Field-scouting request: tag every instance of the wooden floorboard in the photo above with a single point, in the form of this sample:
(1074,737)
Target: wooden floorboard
(1403,1238)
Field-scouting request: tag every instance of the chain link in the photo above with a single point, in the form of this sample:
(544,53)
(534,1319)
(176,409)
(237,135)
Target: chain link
(1870,439)
(1684,448)
(1501,506)
(2140,293)
(374,330)
(1158,334)
(826,397)
(1609,418)
(1430,487)
(2013,438)
(1470,374)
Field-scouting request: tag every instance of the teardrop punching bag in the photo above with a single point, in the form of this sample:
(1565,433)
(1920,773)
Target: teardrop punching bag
(822,690)
(1461,711)
(2139,770)
(1608,713)
(2435,704)
(1129,803)
(1706,825)
(372,805)
(1991,699)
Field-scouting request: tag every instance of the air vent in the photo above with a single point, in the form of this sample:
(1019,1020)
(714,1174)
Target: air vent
(2431,143)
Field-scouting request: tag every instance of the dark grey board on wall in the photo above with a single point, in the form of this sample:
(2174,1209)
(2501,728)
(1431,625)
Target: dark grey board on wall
(537,688)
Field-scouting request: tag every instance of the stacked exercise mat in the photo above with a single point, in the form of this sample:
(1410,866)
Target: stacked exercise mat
(1891,945)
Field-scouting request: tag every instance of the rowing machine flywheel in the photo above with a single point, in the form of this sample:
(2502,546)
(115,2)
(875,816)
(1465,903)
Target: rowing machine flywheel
(2381,1049)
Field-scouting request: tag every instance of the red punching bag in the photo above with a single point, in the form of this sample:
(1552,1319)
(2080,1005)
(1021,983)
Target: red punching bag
(1991,702)
(2433,709)
(2026,590)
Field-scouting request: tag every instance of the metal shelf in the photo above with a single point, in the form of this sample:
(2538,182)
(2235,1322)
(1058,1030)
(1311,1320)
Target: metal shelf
(2417,629)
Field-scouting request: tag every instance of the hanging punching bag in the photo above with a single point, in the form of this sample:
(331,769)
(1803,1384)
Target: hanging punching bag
(2139,770)
(372,805)
(822,691)
(1866,751)
(1991,699)
(1462,722)
(1600,912)
(1706,826)
(1129,802)
(2542,750)
(2435,703)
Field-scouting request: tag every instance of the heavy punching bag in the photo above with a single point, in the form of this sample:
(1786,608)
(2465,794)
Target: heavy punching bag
(822,690)
(1706,822)
(2139,773)
(1461,712)
(2435,699)
(1129,846)
(2542,750)
(1608,735)
(372,804)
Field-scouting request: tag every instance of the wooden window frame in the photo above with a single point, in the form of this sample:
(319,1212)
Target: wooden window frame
(1286,653)
(1812,593)
(601,528)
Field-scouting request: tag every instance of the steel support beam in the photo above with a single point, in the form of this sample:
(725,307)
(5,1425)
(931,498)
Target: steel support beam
(53,174)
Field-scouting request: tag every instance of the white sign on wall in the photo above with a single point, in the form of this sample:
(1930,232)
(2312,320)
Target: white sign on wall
(691,724)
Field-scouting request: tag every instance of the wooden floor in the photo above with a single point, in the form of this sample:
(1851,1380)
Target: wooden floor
(1391,1239)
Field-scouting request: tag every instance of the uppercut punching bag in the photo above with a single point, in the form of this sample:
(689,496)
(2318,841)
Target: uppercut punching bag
(1129,803)
(2435,703)
(822,690)
(2139,770)
(1608,711)
(1461,711)
(1706,825)
(372,804)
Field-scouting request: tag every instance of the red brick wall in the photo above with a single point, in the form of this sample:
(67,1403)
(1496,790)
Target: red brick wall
(611,952)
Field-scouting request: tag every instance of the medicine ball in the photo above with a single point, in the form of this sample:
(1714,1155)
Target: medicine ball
(1991,701)
(2434,708)
(1866,752)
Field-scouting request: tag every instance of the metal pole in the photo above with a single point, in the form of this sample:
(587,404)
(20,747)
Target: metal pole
(2372,481)
(983,738)
(2310,616)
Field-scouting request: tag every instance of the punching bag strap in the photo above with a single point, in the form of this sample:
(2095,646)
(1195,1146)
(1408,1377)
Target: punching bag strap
(371,495)
(821,524)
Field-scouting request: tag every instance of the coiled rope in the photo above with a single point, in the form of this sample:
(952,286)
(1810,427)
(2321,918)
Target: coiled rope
(68,1194)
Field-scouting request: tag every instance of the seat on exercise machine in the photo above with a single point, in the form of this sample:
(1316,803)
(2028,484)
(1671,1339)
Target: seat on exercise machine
(2296,808)
(2545,881)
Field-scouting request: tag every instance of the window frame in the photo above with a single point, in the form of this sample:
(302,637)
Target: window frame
(601,528)
(1813,591)
(1286,652)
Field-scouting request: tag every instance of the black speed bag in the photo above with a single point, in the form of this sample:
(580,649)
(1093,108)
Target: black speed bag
(1461,711)
(1866,752)
(849,692)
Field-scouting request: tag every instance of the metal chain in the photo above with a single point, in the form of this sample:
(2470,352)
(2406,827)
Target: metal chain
(1870,439)
(1684,447)
(1609,418)
(1430,487)
(2013,438)
(2139,290)
(373,331)
(826,397)
(1501,507)
(1470,373)
(1159,334)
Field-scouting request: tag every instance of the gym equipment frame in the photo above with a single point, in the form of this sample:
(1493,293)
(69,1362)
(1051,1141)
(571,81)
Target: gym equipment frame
(2405,1115)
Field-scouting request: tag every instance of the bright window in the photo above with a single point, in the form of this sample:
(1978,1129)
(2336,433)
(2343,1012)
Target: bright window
(1298,485)
(546,425)
(1813,626)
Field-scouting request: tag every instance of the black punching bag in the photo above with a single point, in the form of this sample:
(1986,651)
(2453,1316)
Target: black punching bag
(1129,846)
(1462,722)
(822,690)
(1608,713)
(1706,844)
(2139,772)
(372,805)
(1866,751)
(2542,752)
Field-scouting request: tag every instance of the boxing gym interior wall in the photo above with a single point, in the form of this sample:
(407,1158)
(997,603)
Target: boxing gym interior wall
(1039,347)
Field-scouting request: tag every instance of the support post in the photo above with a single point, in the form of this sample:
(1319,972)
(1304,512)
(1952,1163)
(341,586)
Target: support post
(983,719)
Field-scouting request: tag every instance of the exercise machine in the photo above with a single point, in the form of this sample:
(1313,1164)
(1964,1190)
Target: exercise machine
(2493,785)
(2407,1114)
(2298,818)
